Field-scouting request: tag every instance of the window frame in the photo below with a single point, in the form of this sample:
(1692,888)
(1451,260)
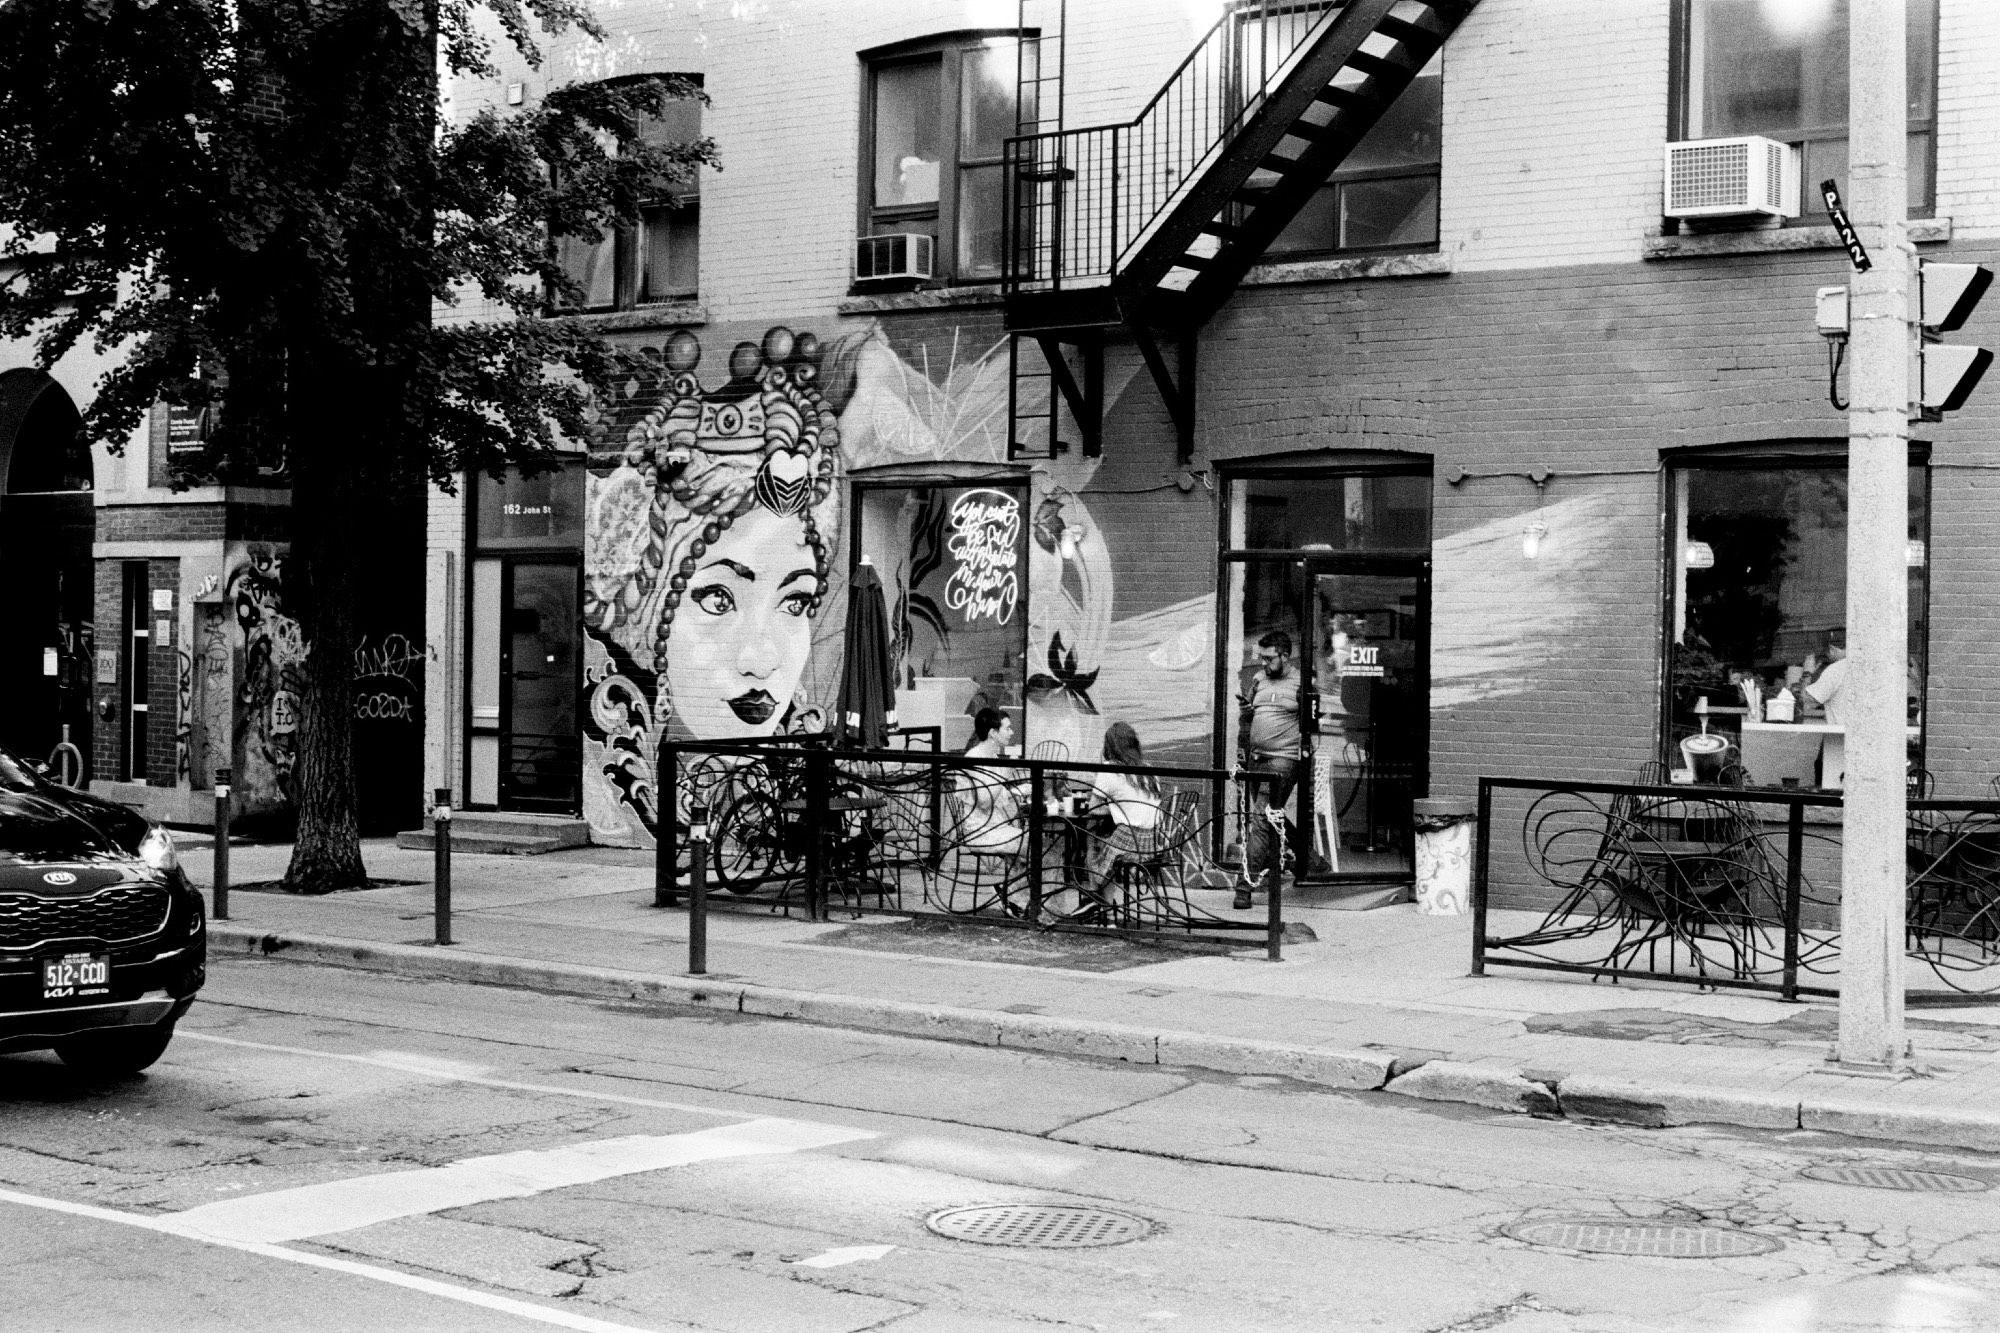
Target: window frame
(1812,210)
(1341,177)
(872,219)
(1800,454)
(627,240)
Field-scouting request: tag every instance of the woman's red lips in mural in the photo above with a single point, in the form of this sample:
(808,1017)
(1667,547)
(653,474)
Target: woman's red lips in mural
(754,706)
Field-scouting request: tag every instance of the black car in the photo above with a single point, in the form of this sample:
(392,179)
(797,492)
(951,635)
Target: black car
(103,942)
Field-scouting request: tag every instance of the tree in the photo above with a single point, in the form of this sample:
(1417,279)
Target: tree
(253,201)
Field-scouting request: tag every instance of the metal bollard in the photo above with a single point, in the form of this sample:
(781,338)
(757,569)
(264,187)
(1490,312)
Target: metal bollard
(441,876)
(220,908)
(697,890)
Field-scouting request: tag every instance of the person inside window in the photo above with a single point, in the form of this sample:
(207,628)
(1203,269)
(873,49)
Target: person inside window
(992,735)
(1827,688)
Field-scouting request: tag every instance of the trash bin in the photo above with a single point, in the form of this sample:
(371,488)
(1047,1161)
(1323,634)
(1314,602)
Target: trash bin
(1444,855)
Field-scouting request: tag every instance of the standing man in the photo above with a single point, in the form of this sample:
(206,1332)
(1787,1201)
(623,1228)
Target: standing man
(1271,723)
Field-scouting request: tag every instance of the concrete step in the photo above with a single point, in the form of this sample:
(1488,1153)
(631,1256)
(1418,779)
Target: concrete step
(503,833)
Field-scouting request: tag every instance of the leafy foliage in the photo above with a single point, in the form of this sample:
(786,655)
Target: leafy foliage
(211,187)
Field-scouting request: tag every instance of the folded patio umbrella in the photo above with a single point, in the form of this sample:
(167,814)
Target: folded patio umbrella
(867,690)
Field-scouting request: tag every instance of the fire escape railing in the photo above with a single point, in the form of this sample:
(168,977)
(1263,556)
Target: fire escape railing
(1079,201)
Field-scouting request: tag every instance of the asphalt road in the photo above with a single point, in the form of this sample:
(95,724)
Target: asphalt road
(323,1149)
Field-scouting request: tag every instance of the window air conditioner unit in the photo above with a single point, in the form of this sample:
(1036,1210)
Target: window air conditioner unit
(902,254)
(1750,176)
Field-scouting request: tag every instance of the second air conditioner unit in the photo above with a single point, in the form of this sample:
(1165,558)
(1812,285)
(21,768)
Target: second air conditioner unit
(1748,176)
(903,255)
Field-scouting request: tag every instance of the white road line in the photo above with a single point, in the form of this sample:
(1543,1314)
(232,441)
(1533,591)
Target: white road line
(852,1254)
(414,1064)
(582,1323)
(360,1201)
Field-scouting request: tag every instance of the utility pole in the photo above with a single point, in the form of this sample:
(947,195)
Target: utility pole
(1881,339)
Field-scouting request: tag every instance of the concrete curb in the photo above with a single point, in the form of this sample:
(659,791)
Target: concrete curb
(1583,1097)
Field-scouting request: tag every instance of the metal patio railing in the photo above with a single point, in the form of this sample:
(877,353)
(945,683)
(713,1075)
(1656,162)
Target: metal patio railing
(1718,886)
(797,824)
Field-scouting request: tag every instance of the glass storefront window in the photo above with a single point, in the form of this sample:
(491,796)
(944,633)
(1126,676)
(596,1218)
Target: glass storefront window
(543,512)
(1355,512)
(1759,605)
(953,560)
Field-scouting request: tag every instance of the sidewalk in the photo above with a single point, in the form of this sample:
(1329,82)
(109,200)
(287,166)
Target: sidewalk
(1381,1000)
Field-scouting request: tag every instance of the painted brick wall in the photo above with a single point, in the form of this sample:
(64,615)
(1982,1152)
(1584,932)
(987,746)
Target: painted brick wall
(1555,114)
(1968,131)
(1591,372)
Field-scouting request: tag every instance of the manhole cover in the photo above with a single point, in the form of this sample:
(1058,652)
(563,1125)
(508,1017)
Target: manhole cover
(1046,1226)
(1896,1178)
(1659,1240)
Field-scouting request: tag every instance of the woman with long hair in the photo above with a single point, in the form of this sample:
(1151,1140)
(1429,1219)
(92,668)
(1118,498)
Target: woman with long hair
(1131,802)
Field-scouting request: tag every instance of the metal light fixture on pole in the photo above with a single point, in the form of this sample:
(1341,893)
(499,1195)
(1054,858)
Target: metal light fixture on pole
(1873,709)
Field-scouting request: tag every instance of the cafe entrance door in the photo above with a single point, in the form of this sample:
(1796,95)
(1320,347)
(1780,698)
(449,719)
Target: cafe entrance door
(1355,617)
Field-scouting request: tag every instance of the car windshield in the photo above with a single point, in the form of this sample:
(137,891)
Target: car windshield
(34,828)
(15,775)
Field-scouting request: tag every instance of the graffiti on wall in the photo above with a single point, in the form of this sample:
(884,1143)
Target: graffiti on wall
(270,656)
(388,672)
(714,558)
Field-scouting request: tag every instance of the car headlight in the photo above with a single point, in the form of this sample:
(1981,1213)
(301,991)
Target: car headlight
(156,849)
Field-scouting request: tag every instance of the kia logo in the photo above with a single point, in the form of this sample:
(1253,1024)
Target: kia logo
(59,877)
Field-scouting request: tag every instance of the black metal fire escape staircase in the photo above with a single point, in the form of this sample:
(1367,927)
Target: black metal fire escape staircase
(1150,224)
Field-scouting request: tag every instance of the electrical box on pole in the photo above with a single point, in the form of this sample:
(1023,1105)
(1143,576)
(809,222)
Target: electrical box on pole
(1948,372)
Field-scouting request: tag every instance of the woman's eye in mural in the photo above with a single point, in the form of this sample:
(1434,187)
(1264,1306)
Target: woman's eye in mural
(796,603)
(714,599)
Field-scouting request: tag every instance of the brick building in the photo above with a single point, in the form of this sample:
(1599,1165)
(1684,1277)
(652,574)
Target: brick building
(1369,327)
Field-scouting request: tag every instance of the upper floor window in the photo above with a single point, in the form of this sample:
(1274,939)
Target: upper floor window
(658,258)
(1384,195)
(935,126)
(1779,68)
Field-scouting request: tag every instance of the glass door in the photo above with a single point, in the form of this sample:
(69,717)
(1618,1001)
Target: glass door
(1366,720)
(540,741)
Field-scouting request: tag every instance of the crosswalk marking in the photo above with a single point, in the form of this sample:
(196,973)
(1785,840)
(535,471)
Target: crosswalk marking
(574,1320)
(359,1201)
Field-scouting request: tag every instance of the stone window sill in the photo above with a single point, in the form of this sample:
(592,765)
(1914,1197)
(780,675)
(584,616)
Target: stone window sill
(929,298)
(668,315)
(1352,268)
(1773,240)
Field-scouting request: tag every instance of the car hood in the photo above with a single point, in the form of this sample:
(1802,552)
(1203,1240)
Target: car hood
(37,830)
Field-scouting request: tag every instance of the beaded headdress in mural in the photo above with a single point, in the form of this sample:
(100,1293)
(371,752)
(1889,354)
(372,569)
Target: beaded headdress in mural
(684,463)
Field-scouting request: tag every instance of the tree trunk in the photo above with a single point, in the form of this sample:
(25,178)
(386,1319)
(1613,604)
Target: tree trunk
(329,524)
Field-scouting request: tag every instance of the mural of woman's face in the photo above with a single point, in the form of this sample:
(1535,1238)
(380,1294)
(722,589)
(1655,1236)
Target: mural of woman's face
(741,637)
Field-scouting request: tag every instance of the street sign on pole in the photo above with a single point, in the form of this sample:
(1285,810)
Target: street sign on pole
(1857,253)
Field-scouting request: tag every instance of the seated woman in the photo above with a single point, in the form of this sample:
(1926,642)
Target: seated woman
(989,811)
(1130,801)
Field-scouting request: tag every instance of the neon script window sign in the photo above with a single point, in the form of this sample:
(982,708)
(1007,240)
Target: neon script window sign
(986,541)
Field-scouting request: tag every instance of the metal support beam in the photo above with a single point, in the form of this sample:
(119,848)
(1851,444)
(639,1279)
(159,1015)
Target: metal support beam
(1176,390)
(1086,401)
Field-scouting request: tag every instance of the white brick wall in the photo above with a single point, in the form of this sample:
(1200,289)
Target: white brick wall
(1968,117)
(1555,112)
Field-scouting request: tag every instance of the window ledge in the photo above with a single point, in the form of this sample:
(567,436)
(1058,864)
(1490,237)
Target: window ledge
(1771,240)
(1426,265)
(671,314)
(933,298)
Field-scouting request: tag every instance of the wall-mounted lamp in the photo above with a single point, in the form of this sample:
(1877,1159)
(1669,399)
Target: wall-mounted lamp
(1531,539)
(1915,553)
(678,457)
(1699,555)
(1071,537)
